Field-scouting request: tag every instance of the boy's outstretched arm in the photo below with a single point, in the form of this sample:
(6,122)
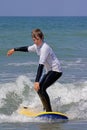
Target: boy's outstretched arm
(23,49)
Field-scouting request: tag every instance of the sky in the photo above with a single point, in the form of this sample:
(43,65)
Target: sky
(43,7)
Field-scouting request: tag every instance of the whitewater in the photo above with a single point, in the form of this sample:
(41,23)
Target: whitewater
(67,98)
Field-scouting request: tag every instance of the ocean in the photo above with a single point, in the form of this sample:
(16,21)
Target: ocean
(68,38)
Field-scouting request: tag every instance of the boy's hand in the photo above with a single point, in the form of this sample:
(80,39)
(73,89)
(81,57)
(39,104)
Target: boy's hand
(10,52)
(36,86)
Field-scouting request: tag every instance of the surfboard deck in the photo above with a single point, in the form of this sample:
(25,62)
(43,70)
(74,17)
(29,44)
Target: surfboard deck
(44,115)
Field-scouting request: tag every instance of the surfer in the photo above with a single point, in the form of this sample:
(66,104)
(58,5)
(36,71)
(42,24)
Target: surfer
(47,59)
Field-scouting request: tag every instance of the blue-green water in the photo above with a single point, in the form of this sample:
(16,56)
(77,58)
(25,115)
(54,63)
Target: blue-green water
(66,35)
(68,38)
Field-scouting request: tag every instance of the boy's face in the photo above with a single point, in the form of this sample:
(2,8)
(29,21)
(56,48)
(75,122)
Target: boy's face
(37,40)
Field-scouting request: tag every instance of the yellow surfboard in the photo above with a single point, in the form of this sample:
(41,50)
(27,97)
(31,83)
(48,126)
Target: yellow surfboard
(52,115)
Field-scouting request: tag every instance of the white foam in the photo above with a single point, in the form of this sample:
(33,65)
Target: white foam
(69,98)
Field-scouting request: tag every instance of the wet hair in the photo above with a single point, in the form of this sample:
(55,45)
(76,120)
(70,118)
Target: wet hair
(37,33)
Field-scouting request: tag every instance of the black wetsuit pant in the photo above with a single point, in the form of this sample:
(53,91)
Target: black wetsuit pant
(47,80)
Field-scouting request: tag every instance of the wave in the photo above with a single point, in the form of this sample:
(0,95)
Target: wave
(22,64)
(69,98)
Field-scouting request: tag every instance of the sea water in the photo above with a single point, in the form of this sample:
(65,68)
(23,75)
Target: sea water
(68,38)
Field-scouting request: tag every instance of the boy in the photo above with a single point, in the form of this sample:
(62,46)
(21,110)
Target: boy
(47,59)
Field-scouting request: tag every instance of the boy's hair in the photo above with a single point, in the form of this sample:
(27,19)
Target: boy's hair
(37,33)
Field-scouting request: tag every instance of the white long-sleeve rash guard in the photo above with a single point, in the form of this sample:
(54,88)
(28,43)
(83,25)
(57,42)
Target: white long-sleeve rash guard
(47,58)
